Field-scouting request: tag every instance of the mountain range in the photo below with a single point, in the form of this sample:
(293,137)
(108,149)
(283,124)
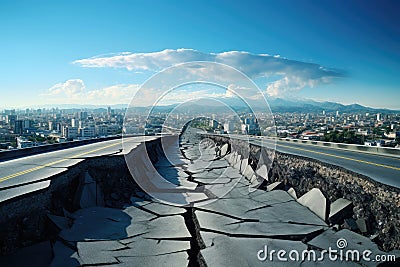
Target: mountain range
(275,104)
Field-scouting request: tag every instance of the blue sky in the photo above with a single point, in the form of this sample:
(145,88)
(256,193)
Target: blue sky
(43,45)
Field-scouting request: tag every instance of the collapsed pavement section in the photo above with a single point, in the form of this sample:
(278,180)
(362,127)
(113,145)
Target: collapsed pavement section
(208,210)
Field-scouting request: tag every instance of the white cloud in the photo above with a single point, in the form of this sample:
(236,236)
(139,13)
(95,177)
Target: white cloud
(71,88)
(292,84)
(294,75)
(74,92)
(116,94)
(186,96)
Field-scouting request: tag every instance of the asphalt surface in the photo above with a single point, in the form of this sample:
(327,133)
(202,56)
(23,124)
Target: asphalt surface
(26,174)
(381,168)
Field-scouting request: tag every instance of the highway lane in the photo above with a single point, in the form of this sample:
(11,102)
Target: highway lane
(31,173)
(26,174)
(382,168)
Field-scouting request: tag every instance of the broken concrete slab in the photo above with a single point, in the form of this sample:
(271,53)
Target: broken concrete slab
(218,180)
(231,251)
(164,209)
(59,221)
(243,164)
(233,157)
(294,214)
(350,224)
(346,240)
(39,255)
(179,198)
(138,215)
(292,192)
(362,225)
(139,201)
(64,256)
(271,197)
(238,228)
(231,208)
(316,201)
(229,158)
(224,150)
(248,172)
(139,247)
(275,186)
(172,172)
(200,165)
(262,172)
(97,223)
(339,210)
(173,259)
(221,190)
(98,252)
(88,196)
(238,162)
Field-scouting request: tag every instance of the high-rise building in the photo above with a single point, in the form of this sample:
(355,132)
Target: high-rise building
(51,125)
(229,127)
(27,124)
(87,132)
(70,132)
(83,115)
(101,130)
(10,119)
(18,127)
(213,123)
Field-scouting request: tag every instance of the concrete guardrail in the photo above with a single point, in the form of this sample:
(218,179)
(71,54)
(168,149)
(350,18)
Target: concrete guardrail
(394,152)
(23,152)
(354,147)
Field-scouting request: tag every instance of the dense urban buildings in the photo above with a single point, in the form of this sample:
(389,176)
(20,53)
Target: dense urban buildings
(33,127)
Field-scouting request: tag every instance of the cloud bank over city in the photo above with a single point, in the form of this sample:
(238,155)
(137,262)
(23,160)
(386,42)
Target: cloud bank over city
(74,91)
(290,75)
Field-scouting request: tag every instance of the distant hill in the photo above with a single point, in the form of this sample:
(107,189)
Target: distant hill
(283,105)
(275,104)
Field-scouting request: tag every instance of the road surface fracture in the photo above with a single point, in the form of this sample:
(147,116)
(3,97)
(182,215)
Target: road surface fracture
(217,218)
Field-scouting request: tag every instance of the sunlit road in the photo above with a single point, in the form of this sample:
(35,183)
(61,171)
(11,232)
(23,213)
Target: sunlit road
(26,174)
(382,168)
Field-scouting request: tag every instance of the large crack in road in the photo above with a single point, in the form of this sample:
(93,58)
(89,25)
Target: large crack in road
(218,219)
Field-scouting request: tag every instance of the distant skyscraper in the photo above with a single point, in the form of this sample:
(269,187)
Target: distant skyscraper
(70,132)
(378,117)
(83,115)
(228,127)
(18,127)
(27,124)
(213,123)
(10,119)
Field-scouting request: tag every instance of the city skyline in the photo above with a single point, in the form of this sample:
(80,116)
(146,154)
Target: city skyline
(100,53)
